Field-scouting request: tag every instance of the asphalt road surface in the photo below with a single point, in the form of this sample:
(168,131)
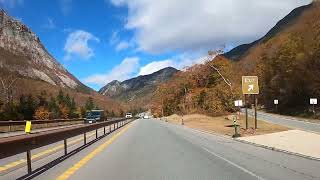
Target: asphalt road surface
(153,149)
(294,123)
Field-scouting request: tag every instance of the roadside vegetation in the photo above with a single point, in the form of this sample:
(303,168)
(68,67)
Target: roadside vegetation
(45,106)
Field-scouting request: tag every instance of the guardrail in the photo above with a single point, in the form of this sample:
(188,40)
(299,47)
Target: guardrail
(25,143)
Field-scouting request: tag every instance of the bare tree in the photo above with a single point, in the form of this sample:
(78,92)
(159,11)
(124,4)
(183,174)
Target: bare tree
(7,84)
(212,55)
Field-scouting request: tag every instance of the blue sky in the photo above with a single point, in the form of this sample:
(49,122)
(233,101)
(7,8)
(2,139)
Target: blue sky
(102,40)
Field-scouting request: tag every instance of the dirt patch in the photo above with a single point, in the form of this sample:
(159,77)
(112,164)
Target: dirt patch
(220,124)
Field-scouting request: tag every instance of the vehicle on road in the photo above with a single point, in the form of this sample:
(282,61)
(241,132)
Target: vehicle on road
(145,117)
(94,116)
(128,115)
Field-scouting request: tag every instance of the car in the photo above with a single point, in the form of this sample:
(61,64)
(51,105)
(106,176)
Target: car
(94,116)
(145,117)
(128,115)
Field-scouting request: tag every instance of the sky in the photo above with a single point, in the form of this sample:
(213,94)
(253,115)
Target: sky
(103,40)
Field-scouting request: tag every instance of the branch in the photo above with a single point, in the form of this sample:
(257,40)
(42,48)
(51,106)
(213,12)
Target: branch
(227,81)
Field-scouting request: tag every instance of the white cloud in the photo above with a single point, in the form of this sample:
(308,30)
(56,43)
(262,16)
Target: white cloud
(11,3)
(125,70)
(179,62)
(65,6)
(122,46)
(77,44)
(155,66)
(186,25)
(49,24)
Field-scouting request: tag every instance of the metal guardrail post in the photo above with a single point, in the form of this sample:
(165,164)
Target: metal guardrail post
(85,138)
(65,147)
(29,161)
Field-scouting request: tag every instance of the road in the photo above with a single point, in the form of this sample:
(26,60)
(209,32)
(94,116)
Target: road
(294,123)
(153,149)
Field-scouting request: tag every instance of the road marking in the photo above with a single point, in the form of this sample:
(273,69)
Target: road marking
(226,160)
(40,154)
(87,158)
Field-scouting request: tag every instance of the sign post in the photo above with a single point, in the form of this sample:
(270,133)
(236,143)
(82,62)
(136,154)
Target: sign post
(250,86)
(276,102)
(313,102)
(239,104)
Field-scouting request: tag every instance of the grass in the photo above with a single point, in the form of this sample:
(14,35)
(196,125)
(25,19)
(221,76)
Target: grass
(219,124)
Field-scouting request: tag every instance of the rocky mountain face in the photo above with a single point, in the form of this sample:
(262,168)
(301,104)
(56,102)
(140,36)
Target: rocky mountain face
(22,53)
(139,87)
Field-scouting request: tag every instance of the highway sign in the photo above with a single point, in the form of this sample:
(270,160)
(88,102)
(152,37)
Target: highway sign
(313,101)
(238,103)
(276,101)
(250,85)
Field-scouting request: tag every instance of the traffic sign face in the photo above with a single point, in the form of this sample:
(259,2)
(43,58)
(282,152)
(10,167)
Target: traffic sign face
(250,85)
(314,101)
(276,101)
(238,103)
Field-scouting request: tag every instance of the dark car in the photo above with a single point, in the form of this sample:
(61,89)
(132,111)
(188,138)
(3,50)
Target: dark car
(94,116)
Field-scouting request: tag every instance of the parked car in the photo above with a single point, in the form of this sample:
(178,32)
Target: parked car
(145,117)
(128,115)
(94,116)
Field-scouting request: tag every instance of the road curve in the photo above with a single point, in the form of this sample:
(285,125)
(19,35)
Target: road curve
(152,149)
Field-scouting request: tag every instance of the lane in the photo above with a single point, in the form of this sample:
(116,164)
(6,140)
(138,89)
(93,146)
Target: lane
(151,149)
(294,123)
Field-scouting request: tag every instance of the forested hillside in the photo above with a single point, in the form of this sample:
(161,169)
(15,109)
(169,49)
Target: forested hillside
(287,64)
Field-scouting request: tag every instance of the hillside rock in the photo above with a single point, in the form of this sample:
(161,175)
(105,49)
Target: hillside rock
(21,51)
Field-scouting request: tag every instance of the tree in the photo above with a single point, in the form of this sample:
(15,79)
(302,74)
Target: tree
(89,104)
(42,113)
(8,82)
(27,106)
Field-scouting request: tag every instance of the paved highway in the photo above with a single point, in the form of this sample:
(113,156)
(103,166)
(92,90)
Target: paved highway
(294,123)
(152,149)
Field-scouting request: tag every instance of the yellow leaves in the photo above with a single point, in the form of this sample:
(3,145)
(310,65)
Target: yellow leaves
(42,113)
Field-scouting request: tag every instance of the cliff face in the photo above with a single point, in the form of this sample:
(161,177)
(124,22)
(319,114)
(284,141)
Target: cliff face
(22,52)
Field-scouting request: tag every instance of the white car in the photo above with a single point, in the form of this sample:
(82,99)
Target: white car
(128,115)
(145,117)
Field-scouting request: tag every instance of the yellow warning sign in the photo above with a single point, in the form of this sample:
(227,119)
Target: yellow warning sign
(28,127)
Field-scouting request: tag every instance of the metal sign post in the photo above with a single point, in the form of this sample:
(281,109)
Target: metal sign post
(250,86)
(313,102)
(276,102)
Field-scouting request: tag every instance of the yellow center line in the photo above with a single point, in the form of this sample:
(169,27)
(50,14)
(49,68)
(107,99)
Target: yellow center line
(40,154)
(87,158)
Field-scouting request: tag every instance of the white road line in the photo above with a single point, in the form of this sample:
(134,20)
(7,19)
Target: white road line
(226,160)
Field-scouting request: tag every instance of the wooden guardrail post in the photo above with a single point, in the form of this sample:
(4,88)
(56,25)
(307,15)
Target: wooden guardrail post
(85,138)
(96,133)
(104,130)
(29,161)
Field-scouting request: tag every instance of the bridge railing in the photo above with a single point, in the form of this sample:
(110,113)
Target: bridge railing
(25,143)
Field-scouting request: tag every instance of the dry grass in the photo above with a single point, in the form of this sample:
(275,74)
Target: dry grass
(219,125)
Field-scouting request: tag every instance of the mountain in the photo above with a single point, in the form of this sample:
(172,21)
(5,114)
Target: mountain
(240,51)
(22,53)
(23,57)
(137,88)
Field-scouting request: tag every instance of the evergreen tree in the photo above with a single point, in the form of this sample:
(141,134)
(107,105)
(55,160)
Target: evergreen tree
(90,104)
